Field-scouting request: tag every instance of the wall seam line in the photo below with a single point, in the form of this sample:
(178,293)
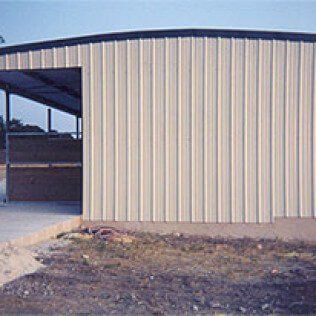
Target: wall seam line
(299,150)
(103,136)
(258,137)
(272,122)
(91,101)
(79,61)
(245,171)
(167,180)
(232,205)
(192,120)
(205,129)
(128,131)
(18,58)
(286,211)
(42,58)
(6,62)
(30,60)
(218,200)
(54,57)
(66,56)
(116,136)
(141,122)
(154,198)
(179,118)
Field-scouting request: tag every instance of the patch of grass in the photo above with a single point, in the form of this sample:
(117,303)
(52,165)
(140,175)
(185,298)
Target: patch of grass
(112,265)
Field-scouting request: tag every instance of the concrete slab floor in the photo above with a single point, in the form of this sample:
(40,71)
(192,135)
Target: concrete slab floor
(19,219)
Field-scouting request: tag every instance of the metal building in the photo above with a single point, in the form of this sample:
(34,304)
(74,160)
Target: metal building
(212,126)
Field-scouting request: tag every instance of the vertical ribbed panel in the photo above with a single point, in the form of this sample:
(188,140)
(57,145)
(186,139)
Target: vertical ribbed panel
(212,133)
(186,154)
(172,131)
(109,135)
(120,131)
(179,128)
(193,129)
(167,135)
(264,131)
(128,133)
(134,137)
(224,120)
(103,130)
(292,129)
(198,128)
(306,130)
(86,99)
(278,82)
(96,126)
(237,132)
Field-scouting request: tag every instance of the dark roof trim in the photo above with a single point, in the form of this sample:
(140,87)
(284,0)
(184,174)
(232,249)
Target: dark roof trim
(307,37)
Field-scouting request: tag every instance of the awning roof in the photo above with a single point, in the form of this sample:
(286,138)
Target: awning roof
(58,88)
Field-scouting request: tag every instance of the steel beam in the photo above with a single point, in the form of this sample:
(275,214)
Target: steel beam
(77,127)
(26,94)
(7,153)
(49,120)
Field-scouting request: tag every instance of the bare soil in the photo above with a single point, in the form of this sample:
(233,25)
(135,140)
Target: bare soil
(15,262)
(146,273)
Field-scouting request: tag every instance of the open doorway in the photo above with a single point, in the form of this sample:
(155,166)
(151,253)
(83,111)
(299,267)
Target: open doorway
(42,163)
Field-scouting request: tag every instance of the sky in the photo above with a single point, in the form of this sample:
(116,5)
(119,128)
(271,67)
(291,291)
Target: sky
(31,21)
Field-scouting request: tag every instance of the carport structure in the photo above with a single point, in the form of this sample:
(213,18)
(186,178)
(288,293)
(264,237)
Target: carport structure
(40,207)
(57,88)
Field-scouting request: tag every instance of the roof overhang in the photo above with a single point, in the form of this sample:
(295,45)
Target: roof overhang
(57,88)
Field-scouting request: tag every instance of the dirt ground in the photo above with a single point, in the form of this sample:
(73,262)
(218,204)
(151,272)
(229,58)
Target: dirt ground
(146,273)
(15,262)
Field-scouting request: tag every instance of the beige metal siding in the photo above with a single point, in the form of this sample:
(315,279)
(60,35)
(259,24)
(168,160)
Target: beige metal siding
(194,129)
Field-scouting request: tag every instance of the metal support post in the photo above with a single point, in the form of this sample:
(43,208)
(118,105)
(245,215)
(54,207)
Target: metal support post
(77,127)
(49,120)
(7,154)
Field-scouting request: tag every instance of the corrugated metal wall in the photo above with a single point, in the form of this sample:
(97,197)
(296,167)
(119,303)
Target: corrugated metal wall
(194,129)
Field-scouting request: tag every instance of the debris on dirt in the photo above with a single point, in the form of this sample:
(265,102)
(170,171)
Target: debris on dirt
(274,271)
(195,308)
(26,293)
(167,275)
(242,309)
(110,234)
(75,235)
(216,305)
(15,262)
(121,239)
(177,234)
(265,307)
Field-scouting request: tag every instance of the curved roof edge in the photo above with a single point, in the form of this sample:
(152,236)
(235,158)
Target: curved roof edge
(160,33)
